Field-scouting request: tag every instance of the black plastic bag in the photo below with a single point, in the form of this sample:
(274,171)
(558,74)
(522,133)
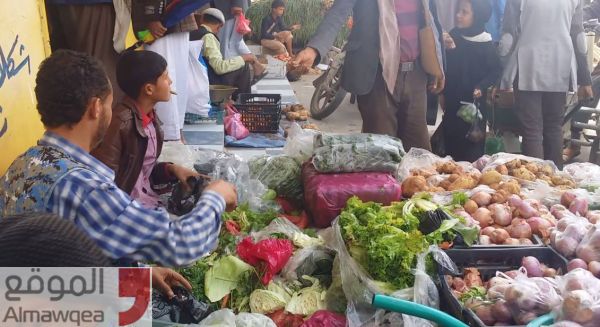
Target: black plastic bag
(183,308)
(182,201)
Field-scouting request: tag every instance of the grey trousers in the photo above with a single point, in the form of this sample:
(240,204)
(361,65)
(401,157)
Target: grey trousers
(541,116)
(401,114)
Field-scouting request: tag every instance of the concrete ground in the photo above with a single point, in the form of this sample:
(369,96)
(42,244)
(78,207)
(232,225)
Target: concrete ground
(346,119)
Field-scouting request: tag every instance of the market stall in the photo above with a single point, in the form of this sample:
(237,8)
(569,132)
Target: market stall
(337,220)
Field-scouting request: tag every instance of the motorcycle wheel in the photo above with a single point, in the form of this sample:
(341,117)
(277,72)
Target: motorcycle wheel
(327,98)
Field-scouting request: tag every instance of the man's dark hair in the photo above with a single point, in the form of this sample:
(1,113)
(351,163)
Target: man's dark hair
(210,19)
(46,240)
(65,83)
(138,68)
(277,4)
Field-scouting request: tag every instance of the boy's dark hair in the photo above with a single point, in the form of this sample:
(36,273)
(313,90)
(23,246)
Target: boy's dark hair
(138,68)
(210,19)
(65,83)
(277,4)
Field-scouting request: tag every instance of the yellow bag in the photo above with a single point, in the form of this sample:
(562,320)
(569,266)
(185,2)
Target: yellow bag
(429,58)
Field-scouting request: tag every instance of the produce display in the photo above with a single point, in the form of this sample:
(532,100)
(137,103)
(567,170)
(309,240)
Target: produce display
(524,236)
(296,112)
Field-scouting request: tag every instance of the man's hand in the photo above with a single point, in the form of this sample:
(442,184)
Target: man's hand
(477,93)
(157,29)
(226,190)
(182,174)
(305,58)
(249,58)
(296,27)
(237,11)
(164,278)
(585,93)
(437,85)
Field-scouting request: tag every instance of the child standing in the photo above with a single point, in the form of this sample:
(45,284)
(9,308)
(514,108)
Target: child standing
(472,67)
(134,139)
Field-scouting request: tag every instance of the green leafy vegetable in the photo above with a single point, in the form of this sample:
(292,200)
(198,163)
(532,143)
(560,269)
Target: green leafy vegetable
(459,199)
(475,293)
(265,301)
(250,220)
(224,276)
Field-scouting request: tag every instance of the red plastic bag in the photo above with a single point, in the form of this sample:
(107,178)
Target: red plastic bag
(242,25)
(271,253)
(323,318)
(233,124)
(325,195)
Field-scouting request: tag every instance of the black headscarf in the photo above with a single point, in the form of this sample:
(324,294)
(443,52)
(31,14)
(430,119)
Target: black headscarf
(482,12)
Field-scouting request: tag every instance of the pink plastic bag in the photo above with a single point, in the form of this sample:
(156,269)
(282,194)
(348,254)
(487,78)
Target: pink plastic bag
(271,254)
(325,318)
(233,124)
(325,195)
(242,25)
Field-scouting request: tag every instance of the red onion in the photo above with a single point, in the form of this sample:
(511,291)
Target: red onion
(500,312)
(520,230)
(577,263)
(567,198)
(512,241)
(540,226)
(594,267)
(579,206)
(484,240)
(533,267)
(501,214)
(482,198)
(484,217)
(487,231)
(566,246)
(525,241)
(593,216)
(499,236)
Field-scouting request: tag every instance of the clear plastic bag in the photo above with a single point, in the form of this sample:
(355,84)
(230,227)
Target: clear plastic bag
(503,158)
(418,159)
(589,248)
(226,318)
(283,226)
(314,261)
(585,174)
(359,288)
(528,298)
(568,234)
(357,153)
(469,112)
(279,173)
(300,143)
(580,292)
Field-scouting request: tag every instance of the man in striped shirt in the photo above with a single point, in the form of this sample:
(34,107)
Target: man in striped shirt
(59,175)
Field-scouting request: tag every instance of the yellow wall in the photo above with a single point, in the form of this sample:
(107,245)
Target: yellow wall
(23,45)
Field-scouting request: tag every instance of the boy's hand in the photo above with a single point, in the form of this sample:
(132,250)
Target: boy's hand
(164,278)
(296,27)
(157,29)
(226,190)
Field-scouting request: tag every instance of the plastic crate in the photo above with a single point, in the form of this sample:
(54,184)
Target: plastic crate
(536,240)
(261,113)
(488,261)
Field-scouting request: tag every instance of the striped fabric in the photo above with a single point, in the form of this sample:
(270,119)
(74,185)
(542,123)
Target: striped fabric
(122,227)
(408,14)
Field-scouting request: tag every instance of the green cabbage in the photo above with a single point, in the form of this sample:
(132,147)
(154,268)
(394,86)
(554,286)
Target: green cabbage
(224,276)
(308,300)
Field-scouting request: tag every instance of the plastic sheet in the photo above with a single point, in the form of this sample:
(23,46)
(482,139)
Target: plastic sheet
(359,288)
(325,195)
(300,143)
(580,291)
(357,153)
(314,261)
(183,308)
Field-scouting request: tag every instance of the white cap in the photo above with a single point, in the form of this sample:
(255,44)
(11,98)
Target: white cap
(216,13)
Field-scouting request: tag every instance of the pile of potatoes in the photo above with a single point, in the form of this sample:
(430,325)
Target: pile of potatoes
(296,112)
(531,171)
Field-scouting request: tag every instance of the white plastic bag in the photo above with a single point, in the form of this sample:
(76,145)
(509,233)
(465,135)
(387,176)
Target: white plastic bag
(585,174)
(300,143)
(198,85)
(226,318)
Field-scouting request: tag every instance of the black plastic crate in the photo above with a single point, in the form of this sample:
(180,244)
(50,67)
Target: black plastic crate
(261,113)
(536,240)
(488,262)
